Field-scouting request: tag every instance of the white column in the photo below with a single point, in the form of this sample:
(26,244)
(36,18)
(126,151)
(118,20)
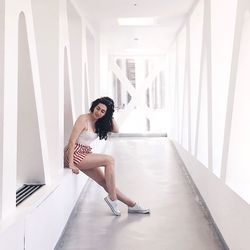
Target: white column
(123,90)
(2,13)
(10,109)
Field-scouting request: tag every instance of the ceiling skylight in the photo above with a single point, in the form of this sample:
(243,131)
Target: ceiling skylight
(137,21)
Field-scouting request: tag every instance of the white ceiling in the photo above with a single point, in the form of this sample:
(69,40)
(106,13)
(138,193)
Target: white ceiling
(103,15)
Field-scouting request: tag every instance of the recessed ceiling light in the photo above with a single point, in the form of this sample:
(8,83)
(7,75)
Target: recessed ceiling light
(137,21)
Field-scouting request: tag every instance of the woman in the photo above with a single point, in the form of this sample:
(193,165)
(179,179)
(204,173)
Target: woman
(97,123)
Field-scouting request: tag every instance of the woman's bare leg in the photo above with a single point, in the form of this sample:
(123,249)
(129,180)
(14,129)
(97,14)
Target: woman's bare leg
(93,161)
(97,175)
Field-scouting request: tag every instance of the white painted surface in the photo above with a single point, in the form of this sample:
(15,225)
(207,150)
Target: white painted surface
(152,39)
(40,220)
(34,48)
(222,44)
(229,211)
(2,12)
(45,223)
(47,39)
(12,234)
(29,159)
(238,172)
(219,160)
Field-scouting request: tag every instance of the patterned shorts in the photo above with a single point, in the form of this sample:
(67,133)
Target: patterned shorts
(80,151)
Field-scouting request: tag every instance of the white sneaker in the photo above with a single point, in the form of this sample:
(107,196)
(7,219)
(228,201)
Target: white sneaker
(113,206)
(138,209)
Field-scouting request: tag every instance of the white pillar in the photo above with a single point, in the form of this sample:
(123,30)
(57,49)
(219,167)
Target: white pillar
(2,13)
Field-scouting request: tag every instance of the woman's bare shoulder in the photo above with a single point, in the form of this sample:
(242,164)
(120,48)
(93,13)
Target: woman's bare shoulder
(82,120)
(83,117)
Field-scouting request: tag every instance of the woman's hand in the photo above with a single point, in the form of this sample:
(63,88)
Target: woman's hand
(74,169)
(115,128)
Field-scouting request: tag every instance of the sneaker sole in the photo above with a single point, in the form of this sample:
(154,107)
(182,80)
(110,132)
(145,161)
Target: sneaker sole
(139,211)
(112,209)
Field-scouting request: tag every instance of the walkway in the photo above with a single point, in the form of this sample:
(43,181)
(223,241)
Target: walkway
(148,170)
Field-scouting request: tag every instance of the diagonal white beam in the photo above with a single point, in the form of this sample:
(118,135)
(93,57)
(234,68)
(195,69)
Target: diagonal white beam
(143,87)
(124,80)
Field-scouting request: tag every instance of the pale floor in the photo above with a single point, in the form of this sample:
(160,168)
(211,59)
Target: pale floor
(148,170)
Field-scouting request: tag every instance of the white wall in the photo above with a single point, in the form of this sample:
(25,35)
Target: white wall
(209,110)
(29,159)
(43,53)
(229,211)
(91,54)
(31,226)
(1,92)
(75,39)
(46,31)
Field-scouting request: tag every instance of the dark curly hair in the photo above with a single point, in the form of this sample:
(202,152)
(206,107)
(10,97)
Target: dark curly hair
(104,124)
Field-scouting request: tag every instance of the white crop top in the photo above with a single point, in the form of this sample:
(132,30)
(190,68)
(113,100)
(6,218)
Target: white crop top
(86,137)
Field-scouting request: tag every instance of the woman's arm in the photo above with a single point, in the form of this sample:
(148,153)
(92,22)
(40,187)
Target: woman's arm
(115,128)
(79,126)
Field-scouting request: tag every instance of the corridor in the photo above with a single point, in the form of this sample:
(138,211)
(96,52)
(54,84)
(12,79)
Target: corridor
(179,68)
(151,172)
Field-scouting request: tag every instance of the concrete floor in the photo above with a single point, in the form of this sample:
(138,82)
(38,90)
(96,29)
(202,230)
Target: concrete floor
(149,171)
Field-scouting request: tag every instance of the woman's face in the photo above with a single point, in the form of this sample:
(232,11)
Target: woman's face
(99,111)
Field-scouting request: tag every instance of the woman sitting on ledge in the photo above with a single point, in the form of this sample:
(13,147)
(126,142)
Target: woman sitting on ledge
(97,123)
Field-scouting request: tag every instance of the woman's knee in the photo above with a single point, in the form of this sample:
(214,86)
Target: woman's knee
(109,160)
